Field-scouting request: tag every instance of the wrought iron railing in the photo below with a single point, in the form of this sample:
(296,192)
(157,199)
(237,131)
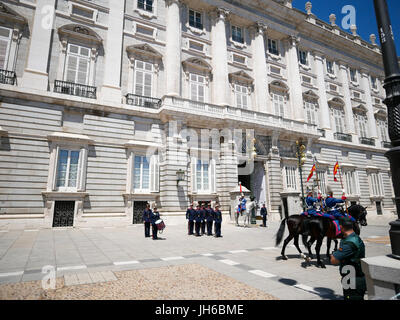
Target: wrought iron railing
(142,101)
(386,144)
(7,77)
(343,137)
(367,141)
(75,89)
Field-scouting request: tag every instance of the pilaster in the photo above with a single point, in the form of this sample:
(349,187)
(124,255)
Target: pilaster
(366,85)
(323,99)
(347,98)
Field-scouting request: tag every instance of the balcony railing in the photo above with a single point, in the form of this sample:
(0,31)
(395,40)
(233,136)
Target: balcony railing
(367,141)
(142,101)
(75,89)
(343,137)
(386,144)
(7,77)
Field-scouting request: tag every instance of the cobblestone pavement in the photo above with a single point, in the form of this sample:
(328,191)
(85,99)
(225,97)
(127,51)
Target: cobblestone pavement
(85,257)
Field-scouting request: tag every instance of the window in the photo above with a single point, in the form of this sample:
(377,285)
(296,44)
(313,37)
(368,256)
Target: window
(376,184)
(145,5)
(67,170)
(141,174)
(237,34)
(290,177)
(143,78)
(351,182)
(322,181)
(83,12)
(311,109)
(383,130)
(196,46)
(197,87)
(195,19)
(241,94)
(203,175)
(338,116)
(329,67)
(353,75)
(279,102)
(77,64)
(273,47)
(374,83)
(238,59)
(303,57)
(5,40)
(362,123)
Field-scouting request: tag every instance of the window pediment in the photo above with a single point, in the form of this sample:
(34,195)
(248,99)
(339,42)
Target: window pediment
(81,33)
(241,76)
(381,114)
(198,64)
(360,109)
(310,95)
(336,102)
(144,50)
(278,86)
(70,138)
(8,14)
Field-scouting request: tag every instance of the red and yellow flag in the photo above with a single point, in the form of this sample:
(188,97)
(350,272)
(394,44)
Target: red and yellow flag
(335,171)
(313,169)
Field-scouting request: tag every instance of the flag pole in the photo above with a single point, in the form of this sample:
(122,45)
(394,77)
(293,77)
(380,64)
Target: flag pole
(317,181)
(341,182)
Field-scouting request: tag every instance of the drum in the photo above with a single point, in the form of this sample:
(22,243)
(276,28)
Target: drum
(160,225)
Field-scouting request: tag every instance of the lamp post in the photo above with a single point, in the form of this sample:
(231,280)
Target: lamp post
(392,87)
(301,157)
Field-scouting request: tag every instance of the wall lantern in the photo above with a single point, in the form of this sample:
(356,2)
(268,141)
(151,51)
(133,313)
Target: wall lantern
(180,176)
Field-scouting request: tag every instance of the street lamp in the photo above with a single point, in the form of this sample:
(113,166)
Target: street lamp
(392,87)
(301,157)
(180,176)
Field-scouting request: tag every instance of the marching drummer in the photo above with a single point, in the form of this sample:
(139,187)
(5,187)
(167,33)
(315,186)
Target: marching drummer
(147,213)
(154,217)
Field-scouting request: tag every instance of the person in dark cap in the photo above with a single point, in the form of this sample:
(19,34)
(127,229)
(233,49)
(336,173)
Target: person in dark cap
(217,221)
(154,217)
(209,219)
(147,213)
(348,257)
(190,216)
(197,219)
(203,218)
(263,213)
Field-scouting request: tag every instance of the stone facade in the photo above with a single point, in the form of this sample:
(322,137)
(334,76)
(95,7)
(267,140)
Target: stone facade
(101,106)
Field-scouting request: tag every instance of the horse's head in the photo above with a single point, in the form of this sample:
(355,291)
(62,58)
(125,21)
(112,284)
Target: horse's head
(359,213)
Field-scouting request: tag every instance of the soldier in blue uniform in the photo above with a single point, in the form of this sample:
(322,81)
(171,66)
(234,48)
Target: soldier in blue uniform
(209,219)
(197,219)
(349,255)
(147,213)
(263,213)
(241,208)
(217,221)
(190,215)
(154,217)
(203,218)
(331,205)
(311,205)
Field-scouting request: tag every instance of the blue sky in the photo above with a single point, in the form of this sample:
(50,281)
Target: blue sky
(365,15)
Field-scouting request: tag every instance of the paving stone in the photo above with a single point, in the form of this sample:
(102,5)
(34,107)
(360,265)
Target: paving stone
(96,277)
(71,279)
(84,278)
(108,276)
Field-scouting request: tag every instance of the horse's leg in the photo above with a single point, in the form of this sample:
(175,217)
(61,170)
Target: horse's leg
(320,264)
(296,243)
(285,243)
(336,244)
(309,244)
(328,245)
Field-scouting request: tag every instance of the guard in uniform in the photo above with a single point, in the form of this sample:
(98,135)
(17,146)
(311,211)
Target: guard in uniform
(147,213)
(209,219)
(331,202)
(350,253)
(190,215)
(154,217)
(311,205)
(203,218)
(197,219)
(263,213)
(217,221)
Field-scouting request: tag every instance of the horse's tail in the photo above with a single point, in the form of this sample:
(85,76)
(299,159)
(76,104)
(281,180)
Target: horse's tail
(281,231)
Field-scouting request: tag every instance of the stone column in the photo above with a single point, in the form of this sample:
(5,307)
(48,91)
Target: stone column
(296,94)
(111,90)
(324,114)
(260,70)
(173,48)
(219,58)
(366,85)
(36,74)
(347,98)
(228,178)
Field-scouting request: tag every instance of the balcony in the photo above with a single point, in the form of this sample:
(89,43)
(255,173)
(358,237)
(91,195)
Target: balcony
(7,77)
(343,137)
(386,144)
(75,89)
(142,101)
(367,141)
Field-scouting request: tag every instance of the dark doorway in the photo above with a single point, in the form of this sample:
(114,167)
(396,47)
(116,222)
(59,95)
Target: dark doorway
(64,214)
(379,208)
(138,208)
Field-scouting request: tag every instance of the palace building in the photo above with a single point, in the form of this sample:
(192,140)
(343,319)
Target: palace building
(105,105)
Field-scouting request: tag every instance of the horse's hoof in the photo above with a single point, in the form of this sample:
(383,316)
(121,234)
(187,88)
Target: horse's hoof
(308,259)
(303,256)
(321,265)
(284,258)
